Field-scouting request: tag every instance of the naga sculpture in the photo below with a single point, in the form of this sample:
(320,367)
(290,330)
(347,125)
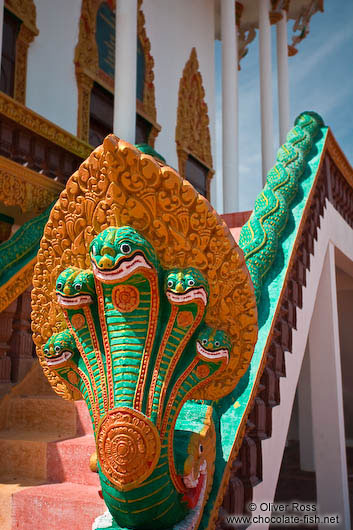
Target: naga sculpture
(143,307)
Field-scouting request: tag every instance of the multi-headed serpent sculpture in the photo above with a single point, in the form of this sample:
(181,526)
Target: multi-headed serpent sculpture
(144,308)
(110,355)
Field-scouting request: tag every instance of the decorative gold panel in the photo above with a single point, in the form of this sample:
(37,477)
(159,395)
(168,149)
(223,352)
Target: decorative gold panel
(20,186)
(34,122)
(147,108)
(192,134)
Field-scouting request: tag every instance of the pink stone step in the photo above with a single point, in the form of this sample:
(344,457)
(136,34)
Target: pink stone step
(56,507)
(68,460)
(83,420)
(43,414)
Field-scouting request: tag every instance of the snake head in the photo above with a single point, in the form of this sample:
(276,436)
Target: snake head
(118,253)
(195,463)
(75,288)
(194,449)
(183,286)
(213,345)
(60,349)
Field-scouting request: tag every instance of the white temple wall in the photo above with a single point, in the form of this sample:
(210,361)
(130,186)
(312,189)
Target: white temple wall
(345,312)
(174,28)
(51,83)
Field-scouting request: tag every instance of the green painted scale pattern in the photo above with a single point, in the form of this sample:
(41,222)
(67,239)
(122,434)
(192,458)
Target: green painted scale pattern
(155,502)
(125,341)
(260,235)
(22,247)
(127,346)
(72,368)
(179,283)
(126,331)
(76,287)
(212,340)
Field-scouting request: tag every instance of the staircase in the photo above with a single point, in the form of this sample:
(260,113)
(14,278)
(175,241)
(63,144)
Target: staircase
(45,446)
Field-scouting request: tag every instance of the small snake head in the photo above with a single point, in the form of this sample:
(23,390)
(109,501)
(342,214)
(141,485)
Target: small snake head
(194,464)
(213,345)
(118,253)
(184,286)
(60,349)
(194,450)
(75,288)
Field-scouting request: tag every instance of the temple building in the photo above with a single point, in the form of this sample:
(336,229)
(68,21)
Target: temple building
(73,72)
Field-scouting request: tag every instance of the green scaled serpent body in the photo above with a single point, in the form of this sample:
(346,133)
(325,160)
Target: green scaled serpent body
(138,346)
(260,235)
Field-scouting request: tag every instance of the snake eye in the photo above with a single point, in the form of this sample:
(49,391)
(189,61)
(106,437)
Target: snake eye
(204,342)
(46,351)
(201,448)
(125,248)
(217,344)
(78,287)
(170,283)
(191,283)
(57,349)
(59,286)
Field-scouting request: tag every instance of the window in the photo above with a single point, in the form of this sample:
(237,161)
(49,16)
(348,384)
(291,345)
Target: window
(101,114)
(140,71)
(196,173)
(11,29)
(95,63)
(102,107)
(143,129)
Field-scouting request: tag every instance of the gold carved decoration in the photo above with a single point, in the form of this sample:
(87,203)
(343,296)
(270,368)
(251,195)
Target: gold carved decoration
(339,158)
(128,447)
(277,6)
(117,186)
(87,70)
(25,10)
(147,108)
(86,63)
(23,187)
(85,85)
(16,285)
(192,134)
(34,122)
(301,25)
(246,34)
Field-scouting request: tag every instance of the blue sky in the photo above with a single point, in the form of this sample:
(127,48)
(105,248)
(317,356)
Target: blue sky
(321,79)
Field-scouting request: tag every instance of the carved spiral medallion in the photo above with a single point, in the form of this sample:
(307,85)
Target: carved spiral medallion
(185,319)
(78,321)
(128,447)
(125,298)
